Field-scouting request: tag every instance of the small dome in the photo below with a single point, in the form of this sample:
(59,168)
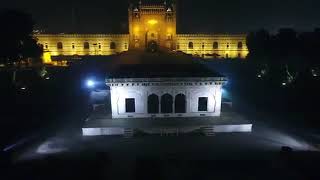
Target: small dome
(169,9)
(135,9)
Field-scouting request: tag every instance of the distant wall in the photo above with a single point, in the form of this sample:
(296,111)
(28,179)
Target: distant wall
(209,45)
(202,45)
(83,44)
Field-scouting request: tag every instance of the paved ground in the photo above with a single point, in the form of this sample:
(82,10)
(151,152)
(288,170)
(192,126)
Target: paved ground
(107,121)
(253,155)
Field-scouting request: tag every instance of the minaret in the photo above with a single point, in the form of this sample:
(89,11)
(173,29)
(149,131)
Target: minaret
(73,20)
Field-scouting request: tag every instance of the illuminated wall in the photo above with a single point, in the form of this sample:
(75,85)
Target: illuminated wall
(83,44)
(147,23)
(209,46)
(139,89)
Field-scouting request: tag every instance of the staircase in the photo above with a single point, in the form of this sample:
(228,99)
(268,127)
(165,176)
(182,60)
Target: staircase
(128,132)
(208,130)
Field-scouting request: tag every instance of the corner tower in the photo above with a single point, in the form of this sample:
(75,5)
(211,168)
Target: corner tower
(152,25)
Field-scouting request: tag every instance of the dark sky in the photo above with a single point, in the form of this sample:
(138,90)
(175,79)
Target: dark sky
(230,16)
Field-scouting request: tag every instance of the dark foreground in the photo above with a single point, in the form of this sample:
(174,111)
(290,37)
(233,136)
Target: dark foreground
(42,135)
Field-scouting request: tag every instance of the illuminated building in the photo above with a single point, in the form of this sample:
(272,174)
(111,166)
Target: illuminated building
(149,26)
(173,94)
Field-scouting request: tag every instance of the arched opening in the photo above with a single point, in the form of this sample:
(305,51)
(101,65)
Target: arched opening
(190,45)
(152,46)
(215,45)
(59,45)
(166,103)
(153,103)
(180,103)
(112,45)
(239,45)
(86,45)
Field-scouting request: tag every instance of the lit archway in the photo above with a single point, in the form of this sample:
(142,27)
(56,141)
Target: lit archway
(86,45)
(112,45)
(59,45)
(152,46)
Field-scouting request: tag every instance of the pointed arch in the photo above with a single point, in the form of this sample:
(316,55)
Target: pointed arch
(166,103)
(190,45)
(59,45)
(153,103)
(180,103)
(112,45)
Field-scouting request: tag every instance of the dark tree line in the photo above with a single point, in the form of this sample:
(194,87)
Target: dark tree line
(287,51)
(16,34)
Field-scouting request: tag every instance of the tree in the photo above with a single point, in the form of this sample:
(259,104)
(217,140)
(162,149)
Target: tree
(259,43)
(17,41)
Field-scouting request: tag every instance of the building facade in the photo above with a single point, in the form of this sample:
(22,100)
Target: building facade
(150,26)
(165,97)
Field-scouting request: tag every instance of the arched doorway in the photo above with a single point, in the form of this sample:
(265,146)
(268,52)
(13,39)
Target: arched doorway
(166,103)
(153,103)
(180,103)
(152,46)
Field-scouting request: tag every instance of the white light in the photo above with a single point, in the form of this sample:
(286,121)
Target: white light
(90,83)
(23,88)
(52,146)
(283,84)
(259,75)
(47,78)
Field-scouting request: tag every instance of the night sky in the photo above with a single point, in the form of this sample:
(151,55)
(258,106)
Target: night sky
(229,16)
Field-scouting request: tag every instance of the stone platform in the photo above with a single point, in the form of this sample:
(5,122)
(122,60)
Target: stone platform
(103,124)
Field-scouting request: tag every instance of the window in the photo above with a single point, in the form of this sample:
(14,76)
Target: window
(178,46)
(227,45)
(72,46)
(202,45)
(190,45)
(59,45)
(227,55)
(125,46)
(46,46)
(86,45)
(166,103)
(99,46)
(203,104)
(239,45)
(239,55)
(112,45)
(130,105)
(153,103)
(215,45)
(152,35)
(180,103)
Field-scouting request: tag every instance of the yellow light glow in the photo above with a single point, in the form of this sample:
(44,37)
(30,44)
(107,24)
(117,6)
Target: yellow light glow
(136,29)
(152,22)
(46,57)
